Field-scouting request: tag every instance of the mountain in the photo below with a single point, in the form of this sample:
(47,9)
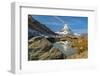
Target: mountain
(65,30)
(35,28)
(77,34)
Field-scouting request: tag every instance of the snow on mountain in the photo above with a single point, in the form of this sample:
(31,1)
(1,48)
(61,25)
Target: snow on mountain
(77,34)
(65,30)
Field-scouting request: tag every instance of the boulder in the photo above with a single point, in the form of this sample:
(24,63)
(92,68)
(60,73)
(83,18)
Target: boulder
(55,53)
(38,46)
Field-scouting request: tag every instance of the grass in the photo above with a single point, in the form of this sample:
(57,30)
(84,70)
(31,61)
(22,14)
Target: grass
(81,45)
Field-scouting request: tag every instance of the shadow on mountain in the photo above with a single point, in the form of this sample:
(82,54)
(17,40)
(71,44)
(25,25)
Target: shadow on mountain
(35,28)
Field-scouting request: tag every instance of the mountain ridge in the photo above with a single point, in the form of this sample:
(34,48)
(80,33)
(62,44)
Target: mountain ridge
(37,28)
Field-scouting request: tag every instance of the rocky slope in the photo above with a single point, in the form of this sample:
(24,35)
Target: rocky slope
(40,48)
(35,28)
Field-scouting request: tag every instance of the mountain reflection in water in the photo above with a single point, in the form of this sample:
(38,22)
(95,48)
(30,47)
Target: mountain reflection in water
(64,47)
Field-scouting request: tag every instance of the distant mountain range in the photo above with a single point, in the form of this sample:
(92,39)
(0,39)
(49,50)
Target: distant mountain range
(66,30)
(35,28)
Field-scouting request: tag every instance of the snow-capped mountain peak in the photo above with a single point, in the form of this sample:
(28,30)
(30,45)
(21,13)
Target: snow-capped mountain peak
(65,30)
(65,27)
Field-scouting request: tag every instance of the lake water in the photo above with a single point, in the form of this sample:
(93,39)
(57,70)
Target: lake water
(64,48)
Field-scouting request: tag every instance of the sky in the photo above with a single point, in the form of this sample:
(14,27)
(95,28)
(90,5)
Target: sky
(56,23)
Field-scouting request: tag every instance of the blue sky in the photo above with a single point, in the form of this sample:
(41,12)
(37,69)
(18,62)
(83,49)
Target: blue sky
(77,24)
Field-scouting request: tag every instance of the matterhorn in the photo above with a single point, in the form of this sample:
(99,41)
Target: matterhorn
(65,30)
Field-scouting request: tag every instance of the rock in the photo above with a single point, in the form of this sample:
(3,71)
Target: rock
(41,48)
(44,56)
(56,54)
(38,46)
(53,53)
